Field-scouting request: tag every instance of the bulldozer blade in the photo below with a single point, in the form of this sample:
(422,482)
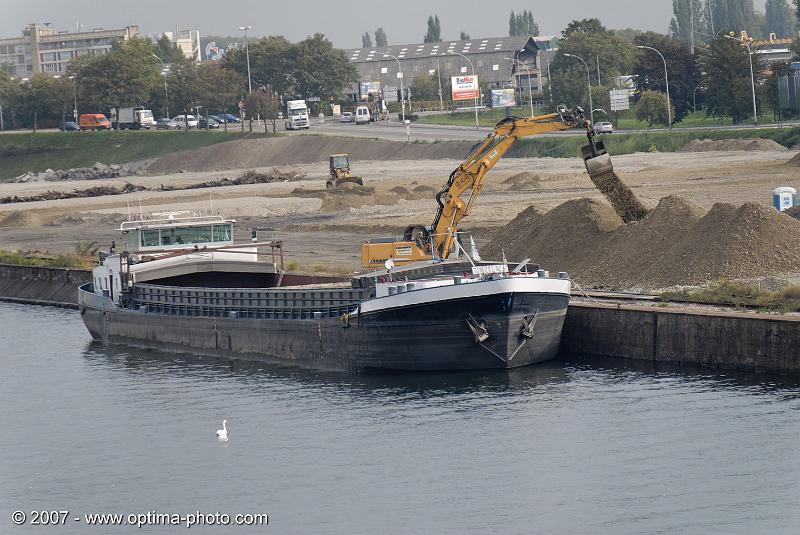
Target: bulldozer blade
(336,182)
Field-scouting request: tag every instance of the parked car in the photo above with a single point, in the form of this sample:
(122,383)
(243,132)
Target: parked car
(347,117)
(603,127)
(219,118)
(185,121)
(230,118)
(362,115)
(93,121)
(201,121)
(69,126)
(166,123)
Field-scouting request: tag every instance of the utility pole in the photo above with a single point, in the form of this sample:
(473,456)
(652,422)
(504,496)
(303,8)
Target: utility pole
(597,57)
(247,48)
(691,16)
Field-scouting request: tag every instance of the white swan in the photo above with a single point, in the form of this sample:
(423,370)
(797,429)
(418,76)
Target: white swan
(222,434)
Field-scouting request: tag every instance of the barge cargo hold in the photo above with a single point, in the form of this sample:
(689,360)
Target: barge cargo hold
(221,299)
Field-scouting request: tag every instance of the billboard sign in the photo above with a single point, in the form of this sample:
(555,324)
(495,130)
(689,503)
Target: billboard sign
(503,98)
(464,87)
(620,100)
(365,88)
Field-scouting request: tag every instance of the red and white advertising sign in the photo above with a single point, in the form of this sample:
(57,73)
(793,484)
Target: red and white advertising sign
(464,87)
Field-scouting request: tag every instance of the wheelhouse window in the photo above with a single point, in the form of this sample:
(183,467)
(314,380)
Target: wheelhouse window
(222,233)
(186,235)
(150,238)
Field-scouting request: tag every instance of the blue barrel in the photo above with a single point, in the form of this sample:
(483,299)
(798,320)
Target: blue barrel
(784,198)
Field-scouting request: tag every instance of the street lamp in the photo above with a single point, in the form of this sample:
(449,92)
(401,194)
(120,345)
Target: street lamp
(588,82)
(752,76)
(74,97)
(530,92)
(694,95)
(666,81)
(402,87)
(249,82)
(164,71)
(473,75)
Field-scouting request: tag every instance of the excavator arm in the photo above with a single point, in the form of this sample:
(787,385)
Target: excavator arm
(459,195)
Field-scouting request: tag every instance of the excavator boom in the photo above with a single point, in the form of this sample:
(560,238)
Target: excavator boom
(459,195)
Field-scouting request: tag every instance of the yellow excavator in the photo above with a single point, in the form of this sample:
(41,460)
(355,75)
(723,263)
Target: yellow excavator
(457,199)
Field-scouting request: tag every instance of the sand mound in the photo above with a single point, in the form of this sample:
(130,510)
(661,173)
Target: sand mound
(676,244)
(22,218)
(400,190)
(793,212)
(565,238)
(424,189)
(747,144)
(795,160)
(522,181)
(293,150)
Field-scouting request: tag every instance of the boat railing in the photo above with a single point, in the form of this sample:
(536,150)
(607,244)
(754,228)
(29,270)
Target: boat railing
(257,303)
(88,298)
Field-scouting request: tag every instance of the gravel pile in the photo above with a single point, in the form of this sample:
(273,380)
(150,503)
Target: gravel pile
(745,144)
(525,181)
(98,170)
(677,244)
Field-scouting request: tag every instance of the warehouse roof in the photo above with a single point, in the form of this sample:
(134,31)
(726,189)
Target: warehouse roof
(424,50)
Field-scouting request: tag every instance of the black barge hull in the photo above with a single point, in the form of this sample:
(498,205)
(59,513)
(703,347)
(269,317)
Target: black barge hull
(425,337)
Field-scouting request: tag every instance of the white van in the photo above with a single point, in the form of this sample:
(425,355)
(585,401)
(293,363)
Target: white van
(362,115)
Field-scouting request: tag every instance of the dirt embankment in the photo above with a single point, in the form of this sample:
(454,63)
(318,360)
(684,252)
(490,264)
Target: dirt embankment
(678,243)
(744,144)
(292,150)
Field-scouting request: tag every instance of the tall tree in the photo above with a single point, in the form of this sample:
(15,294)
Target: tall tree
(682,67)
(167,50)
(366,40)
(319,69)
(728,71)
(688,16)
(219,88)
(464,36)
(270,63)
(380,38)
(779,18)
(733,16)
(434,34)
(522,24)
(123,77)
(591,41)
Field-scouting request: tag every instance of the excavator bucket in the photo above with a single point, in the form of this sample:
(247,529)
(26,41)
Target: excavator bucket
(601,171)
(596,159)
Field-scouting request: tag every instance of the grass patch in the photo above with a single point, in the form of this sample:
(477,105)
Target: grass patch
(735,294)
(75,260)
(65,150)
(292,265)
(569,146)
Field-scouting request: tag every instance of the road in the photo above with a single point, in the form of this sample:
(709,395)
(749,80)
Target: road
(395,131)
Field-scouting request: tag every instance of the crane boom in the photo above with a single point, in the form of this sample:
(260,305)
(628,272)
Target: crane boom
(436,241)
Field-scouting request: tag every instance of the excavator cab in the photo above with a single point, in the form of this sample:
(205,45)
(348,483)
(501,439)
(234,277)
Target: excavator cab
(340,172)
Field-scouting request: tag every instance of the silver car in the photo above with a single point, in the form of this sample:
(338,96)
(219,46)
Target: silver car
(603,127)
(347,117)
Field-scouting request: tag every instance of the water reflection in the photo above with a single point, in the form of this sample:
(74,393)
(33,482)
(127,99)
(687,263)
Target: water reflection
(143,361)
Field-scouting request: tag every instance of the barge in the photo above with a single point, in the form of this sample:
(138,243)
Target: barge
(182,284)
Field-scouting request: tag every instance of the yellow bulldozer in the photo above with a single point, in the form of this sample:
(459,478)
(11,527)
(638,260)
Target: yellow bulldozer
(340,172)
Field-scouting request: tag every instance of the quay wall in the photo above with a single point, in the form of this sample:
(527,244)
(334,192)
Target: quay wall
(42,285)
(710,338)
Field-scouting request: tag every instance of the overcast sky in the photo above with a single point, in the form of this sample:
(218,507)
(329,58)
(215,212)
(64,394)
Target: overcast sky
(343,21)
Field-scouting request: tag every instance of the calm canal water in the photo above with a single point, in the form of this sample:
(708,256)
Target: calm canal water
(570,447)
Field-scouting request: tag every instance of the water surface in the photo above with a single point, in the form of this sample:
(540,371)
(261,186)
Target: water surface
(569,447)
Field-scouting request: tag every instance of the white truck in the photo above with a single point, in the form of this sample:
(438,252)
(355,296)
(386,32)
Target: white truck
(296,115)
(132,118)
